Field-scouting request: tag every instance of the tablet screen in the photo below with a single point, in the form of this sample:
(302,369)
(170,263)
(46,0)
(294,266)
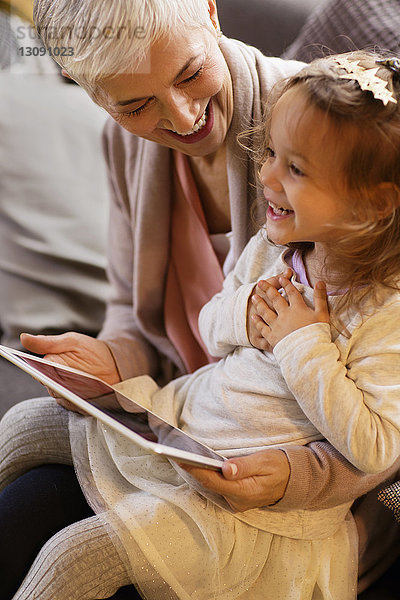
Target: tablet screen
(119,407)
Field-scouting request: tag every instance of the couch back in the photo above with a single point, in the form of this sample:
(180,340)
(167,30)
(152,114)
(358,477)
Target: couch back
(270,25)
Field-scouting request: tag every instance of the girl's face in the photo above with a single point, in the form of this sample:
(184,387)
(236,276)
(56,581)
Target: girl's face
(301,174)
(178,97)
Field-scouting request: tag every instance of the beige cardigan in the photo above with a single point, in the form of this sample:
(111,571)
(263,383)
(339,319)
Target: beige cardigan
(140,178)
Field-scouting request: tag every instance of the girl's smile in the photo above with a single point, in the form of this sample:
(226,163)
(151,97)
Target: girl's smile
(275,212)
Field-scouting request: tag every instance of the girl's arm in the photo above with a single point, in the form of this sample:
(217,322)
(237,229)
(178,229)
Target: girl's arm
(349,390)
(222,321)
(354,406)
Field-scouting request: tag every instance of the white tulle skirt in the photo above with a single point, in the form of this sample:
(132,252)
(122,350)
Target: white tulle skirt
(178,543)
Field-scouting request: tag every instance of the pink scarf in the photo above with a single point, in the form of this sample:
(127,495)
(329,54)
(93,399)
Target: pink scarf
(194,273)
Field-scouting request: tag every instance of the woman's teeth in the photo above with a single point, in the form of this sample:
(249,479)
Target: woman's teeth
(199,125)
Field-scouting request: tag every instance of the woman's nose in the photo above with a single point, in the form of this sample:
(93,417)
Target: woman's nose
(269,175)
(179,114)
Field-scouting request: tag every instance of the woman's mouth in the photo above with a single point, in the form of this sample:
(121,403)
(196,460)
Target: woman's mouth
(200,130)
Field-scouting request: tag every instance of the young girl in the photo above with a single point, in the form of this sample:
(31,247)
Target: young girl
(329,369)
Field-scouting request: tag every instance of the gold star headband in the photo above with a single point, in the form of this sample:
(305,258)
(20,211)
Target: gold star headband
(367,78)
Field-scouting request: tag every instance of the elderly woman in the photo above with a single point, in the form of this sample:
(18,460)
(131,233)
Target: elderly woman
(178,93)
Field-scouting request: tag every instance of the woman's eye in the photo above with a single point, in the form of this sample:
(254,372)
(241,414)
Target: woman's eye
(137,111)
(194,76)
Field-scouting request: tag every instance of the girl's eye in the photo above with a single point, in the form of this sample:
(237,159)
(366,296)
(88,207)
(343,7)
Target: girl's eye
(269,153)
(194,76)
(295,170)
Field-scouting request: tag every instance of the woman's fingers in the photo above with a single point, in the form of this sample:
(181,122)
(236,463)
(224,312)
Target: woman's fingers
(69,405)
(48,344)
(248,482)
(76,350)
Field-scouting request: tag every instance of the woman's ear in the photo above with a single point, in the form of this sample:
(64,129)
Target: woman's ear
(387,197)
(65,74)
(213,12)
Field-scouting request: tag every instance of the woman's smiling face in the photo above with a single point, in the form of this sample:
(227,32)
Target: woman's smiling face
(181,99)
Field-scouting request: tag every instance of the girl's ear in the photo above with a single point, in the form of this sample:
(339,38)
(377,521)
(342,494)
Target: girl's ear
(387,198)
(212,9)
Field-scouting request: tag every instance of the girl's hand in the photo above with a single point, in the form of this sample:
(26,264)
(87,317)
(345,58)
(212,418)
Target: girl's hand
(255,337)
(75,350)
(276,317)
(253,481)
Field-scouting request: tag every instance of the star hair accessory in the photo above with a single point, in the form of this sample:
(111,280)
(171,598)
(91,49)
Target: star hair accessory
(367,78)
(391,63)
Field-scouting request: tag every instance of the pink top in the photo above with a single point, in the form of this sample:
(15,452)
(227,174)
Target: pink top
(301,274)
(194,272)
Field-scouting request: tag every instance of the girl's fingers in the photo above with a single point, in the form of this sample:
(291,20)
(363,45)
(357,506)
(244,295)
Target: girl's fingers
(261,326)
(273,297)
(263,310)
(321,305)
(292,292)
(274,281)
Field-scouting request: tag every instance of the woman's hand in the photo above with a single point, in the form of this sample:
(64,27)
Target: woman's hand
(275,317)
(75,350)
(255,336)
(253,481)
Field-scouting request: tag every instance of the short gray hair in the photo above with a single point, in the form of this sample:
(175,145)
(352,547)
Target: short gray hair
(95,39)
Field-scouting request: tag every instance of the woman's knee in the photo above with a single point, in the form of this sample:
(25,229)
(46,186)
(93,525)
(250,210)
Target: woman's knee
(32,509)
(32,433)
(78,563)
(29,414)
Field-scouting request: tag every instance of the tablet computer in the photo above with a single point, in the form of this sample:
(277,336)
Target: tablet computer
(129,418)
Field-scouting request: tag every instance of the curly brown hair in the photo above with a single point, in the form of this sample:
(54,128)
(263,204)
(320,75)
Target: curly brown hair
(367,253)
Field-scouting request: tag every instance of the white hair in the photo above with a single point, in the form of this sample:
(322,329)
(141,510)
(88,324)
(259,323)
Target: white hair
(95,39)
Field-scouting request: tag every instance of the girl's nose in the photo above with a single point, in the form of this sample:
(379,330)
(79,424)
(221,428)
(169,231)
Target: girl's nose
(179,114)
(269,175)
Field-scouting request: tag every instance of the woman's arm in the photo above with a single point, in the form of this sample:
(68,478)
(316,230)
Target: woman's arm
(309,477)
(132,352)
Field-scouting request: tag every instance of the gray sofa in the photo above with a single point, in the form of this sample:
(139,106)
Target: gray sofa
(270,25)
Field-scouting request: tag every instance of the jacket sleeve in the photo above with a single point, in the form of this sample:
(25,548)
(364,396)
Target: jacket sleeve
(353,399)
(222,321)
(320,477)
(133,354)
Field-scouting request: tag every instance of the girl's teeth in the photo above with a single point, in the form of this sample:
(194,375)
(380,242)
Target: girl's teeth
(280,211)
(199,125)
